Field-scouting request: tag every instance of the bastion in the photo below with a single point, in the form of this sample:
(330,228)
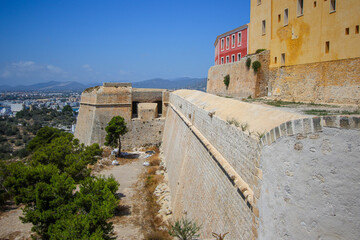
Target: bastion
(99,104)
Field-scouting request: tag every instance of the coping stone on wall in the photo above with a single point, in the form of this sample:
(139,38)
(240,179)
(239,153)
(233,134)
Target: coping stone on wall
(113,84)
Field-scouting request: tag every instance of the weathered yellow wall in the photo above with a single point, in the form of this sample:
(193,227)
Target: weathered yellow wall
(303,39)
(258,13)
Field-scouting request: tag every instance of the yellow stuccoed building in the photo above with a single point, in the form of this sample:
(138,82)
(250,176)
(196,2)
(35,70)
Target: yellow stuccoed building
(305,31)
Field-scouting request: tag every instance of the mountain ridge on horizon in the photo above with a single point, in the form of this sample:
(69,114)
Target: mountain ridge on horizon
(172,84)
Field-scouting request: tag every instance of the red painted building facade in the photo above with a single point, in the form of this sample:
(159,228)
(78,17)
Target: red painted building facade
(231,46)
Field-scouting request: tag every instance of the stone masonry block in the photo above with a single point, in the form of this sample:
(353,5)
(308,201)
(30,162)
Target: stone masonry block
(277,132)
(298,125)
(330,121)
(283,129)
(344,122)
(272,135)
(355,122)
(307,125)
(317,124)
(289,128)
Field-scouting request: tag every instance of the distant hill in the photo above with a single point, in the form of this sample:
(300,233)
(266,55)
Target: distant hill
(47,87)
(179,83)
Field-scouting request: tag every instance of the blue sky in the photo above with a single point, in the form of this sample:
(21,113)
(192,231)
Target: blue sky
(96,41)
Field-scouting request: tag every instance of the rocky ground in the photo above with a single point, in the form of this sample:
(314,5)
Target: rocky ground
(11,227)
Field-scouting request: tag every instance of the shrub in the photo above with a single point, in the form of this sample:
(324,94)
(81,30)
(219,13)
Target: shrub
(227,81)
(256,66)
(260,50)
(184,229)
(248,63)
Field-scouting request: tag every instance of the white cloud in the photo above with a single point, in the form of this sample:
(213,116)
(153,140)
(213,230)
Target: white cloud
(122,72)
(87,67)
(29,71)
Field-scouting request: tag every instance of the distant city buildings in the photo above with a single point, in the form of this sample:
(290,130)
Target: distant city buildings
(13,102)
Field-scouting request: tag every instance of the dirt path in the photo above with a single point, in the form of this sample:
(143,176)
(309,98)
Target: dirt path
(128,221)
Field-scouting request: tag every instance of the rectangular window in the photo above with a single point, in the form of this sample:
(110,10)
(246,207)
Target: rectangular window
(300,8)
(222,44)
(263,25)
(233,58)
(233,40)
(279,18)
(332,6)
(357,29)
(275,60)
(283,59)
(286,17)
(239,38)
(239,56)
(327,47)
(227,42)
(347,31)
(258,2)
(314,4)
(227,59)
(222,60)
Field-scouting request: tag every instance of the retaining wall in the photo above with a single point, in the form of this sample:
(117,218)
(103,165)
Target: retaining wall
(244,82)
(324,82)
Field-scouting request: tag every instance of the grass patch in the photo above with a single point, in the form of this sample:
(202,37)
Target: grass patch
(151,181)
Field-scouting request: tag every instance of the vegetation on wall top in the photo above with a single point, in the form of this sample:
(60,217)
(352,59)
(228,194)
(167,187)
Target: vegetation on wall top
(260,50)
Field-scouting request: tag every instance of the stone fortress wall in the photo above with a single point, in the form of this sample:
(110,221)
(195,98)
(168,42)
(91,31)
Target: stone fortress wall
(99,104)
(322,82)
(298,181)
(244,82)
(256,172)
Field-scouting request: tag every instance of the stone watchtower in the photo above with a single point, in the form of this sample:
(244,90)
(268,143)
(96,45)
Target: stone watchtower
(144,111)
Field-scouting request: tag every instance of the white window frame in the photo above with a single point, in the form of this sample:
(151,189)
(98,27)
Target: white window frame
(233,58)
(286,16)
(332,6)
(227,59)
(222,44)
(227,42)
(300,8)
(233,39)
(239,56)
(222,60)
(239,38)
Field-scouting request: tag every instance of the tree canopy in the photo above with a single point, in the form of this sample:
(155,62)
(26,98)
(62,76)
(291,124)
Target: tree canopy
(115,128)
(61,199)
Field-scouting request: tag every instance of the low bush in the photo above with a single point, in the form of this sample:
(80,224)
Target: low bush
(248,63)
(256,66)
(260,50)
(227,81)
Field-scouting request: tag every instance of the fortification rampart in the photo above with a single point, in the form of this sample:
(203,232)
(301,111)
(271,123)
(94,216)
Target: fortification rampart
(223,175)
(244,82)
(323,82)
